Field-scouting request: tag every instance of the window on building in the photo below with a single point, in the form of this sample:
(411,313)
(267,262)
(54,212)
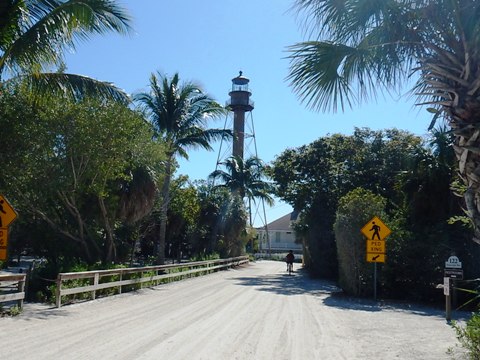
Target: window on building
(278,236)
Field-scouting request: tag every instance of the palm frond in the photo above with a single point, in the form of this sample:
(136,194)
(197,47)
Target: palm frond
(71,85)
(371,48)
(314,74)
(180,112)
(198,137)
(50,26)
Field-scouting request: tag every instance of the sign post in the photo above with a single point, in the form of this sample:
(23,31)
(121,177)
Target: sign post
(448,302)
(453,271)
(375,231)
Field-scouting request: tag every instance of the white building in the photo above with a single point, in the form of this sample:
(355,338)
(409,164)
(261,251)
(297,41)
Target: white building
(281,235)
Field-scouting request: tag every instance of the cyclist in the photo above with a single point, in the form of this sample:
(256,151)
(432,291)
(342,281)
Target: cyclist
(290,258)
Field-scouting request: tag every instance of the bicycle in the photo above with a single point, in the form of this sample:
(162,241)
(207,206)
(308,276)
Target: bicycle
(290,268)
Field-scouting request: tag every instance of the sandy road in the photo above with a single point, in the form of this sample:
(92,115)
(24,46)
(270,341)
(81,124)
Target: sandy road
(252,312)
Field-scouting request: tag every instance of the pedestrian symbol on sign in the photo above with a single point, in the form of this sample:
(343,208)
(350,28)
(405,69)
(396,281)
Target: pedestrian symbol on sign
(376,231)
(7,213)
(1,211)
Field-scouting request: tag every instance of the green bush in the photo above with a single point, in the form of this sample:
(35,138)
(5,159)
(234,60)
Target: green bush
(205,257)
(469,336)
(354,211)
(15,310)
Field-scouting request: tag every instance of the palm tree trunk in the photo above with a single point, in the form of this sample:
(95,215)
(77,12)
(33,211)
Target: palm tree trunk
(467,151)
(164,212)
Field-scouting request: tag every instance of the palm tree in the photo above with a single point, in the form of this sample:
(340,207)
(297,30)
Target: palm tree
(369,46)
(245,178)
(179,113)
(35,33)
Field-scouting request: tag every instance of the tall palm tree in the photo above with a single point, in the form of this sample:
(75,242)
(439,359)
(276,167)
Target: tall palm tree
(35,33)
(245,178)
(369,46)
(179,113)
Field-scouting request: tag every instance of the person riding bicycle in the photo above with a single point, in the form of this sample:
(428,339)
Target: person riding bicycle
(290,258)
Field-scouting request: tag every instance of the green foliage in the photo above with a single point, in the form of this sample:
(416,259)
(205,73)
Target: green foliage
(362,48)
(183,214)
(70,182)
(204,257)
(354,210)
(423,235)
(245,178)
(221,226)
(313,177)
(469,336)
(231,228)
(35,34)
(179,113)
(13,310)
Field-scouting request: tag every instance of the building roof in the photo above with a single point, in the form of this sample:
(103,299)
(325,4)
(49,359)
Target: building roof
(282,224)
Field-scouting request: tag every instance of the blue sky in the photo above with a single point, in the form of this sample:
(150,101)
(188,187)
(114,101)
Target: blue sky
(208,42)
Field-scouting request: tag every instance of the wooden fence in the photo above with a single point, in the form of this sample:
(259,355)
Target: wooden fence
(93,281)
(15,288)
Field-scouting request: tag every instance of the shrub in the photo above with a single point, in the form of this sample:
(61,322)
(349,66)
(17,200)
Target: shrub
(469,336)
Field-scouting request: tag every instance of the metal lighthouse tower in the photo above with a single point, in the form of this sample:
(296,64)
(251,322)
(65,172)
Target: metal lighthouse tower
(244,143)
(239,103)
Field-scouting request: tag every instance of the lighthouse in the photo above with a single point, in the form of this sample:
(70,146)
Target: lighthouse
(239,104)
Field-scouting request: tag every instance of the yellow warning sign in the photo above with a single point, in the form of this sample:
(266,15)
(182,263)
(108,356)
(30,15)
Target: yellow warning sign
(375,229)
(376,258)
(376,246)
(7,214)
(3,243)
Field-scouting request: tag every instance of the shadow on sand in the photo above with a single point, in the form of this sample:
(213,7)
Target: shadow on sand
(331,295)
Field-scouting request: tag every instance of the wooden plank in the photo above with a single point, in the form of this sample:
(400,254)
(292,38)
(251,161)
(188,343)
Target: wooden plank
(13,277)
(88,288)
(11,297)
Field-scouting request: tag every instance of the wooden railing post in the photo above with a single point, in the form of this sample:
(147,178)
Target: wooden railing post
(96,277)
(21,289)
(121,278)
(58,292)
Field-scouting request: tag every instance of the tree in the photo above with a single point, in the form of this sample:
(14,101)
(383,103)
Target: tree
(34,35)
(368,46)
(245,178)
(72,164)
(313,177)
(183,213)
(179,113)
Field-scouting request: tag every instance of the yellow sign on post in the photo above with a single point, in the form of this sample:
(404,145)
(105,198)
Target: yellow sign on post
(376,258)
(7,214)
(375,229)
(376,232)
(376,246)
(3,243)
